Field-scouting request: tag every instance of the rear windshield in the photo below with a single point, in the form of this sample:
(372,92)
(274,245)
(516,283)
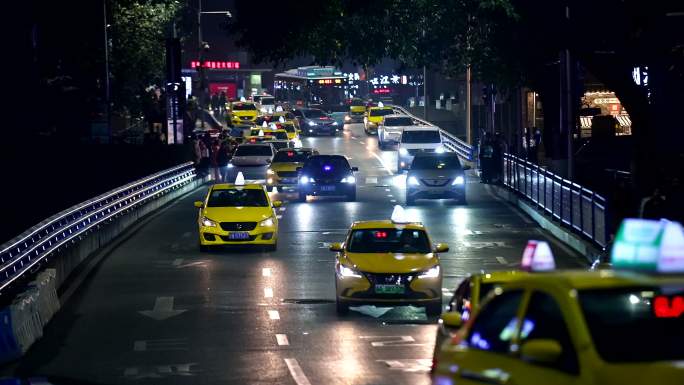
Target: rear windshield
(357,102)
(388,241)
(237,198)
(291,156)
(280,135)
(329,163)
(288,127)
(401,121)
(244,107)
(267,101)
(427,136)
(253,151)
(436,163)
(651,319)
(381,112)
(314,113)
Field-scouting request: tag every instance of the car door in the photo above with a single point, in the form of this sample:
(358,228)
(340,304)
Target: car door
(544,320)
(487,356)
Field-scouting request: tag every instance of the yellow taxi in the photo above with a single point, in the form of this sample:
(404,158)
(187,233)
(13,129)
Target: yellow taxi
(289,127)
(237,214)
(285,116)
(374,118)
(357,110)
(282,173)
(258,135)
(620,326)
(242,113)
(388,262)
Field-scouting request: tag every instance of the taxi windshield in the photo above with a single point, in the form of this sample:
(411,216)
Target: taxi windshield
(291,156)
(357,102)
(650,319)
(381,112)
(244,107)
(388,241)
(280,135)
(237,198)
(399,121)
(267,101)
(253,151)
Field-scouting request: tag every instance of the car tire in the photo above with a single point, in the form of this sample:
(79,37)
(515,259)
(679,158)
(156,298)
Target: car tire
(203,248)
(301,197)
(272,247)
(341,307)
(351,197)
(410,201)
(269,188)
(434,308)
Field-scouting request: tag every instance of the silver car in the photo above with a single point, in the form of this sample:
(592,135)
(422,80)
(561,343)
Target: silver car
(436,176)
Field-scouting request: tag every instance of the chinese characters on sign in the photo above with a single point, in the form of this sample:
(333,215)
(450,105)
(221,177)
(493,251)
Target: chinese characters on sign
(230,65)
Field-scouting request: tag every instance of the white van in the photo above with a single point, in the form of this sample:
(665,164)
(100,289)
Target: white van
(417,139)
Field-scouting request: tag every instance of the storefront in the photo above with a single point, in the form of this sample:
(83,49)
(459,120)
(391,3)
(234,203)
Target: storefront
(230,77)
(604,103)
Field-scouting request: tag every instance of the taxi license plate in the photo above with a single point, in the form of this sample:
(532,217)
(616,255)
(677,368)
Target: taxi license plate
(327,188)
(389,289)
(239,235)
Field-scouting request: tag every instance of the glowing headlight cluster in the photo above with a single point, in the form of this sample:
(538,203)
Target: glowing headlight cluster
(412,181)
(270,172)
(206,222)
(268,222)
(305,179)
(348,179)
(334,123)
(312,123)
(459,180)
(347,272)
(440,150)
(403,151)
(430,273)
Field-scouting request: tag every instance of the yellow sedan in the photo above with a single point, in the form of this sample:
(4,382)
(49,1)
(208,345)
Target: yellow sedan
(240,214)
(282,173)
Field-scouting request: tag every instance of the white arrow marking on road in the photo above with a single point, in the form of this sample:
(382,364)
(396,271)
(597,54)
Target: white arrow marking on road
(282,208)
(177,262)
(370,180)
(282,339)
(268,292)
(163,309)
(279,216)
(266,271)
(502,260)
(296,371)
(273,314)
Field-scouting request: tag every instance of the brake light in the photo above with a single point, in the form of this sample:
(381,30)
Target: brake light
(290,154)
(664,307)
(380,234)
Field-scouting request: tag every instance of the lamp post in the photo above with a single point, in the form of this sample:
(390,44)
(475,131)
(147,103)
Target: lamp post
(106,59)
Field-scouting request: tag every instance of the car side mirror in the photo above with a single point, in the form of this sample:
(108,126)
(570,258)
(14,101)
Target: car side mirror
(269,160)
(199,204)
(466,167)
(541,350)
(336,246)
(277,203)
(451,320)
(441,248)
(355,169)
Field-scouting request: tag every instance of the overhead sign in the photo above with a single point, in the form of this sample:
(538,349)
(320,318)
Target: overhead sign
(230,65)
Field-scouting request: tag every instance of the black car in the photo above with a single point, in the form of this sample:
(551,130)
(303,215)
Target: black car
(313,122)
(327,175)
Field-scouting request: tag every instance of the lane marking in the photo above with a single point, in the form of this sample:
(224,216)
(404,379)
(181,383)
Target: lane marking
(371,180)
(393,200)
(382,162)
(390,195)
(279,216)
(177,262)
(266,271)
(390,341)
(362,142)
(268,292)
(296,371)
(387,189)
(161,344)
(409,365)
(502,260)
(282,339)
(273,314)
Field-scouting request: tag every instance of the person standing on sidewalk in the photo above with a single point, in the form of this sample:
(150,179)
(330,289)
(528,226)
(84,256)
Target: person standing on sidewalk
(214,155)
(224,156)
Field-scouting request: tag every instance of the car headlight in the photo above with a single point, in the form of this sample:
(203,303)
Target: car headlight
(347,118)
(312,123)
(458,180)
(305,179)
(412,181)
(334,123)
(206,222)
(268,222)
(347,272)
(432,272)
(230,165)
(270,172)
(440,150)
(403,151)
(348,179)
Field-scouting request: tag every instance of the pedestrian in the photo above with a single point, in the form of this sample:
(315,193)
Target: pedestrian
(223,159)
(214,102)
(654,206)
(222,101)
(197,150)
(486,162)
(204,158)
(214,155)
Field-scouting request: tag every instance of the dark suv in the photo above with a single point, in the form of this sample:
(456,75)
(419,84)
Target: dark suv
(327,175)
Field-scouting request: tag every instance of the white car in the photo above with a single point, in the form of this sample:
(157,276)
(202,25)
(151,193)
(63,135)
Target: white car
(389,131)
(253,154)
(417,139)
(265,103)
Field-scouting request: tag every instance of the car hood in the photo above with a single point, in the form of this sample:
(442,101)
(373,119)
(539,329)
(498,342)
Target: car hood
(392,263)
(357,108)
(238,214)
(661,373)
(252,113)
(250,160)
(435,174)
(286,166)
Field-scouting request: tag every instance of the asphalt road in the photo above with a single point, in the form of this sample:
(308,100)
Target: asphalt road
(157,311)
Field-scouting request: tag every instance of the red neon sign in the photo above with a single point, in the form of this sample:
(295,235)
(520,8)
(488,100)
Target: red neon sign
(230,65)
(665,307)
(382,91)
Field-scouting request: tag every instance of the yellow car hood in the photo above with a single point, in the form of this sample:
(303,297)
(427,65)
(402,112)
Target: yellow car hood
(375,119)
(357,109)
(238,214)
(252,113)
(661,373)
(391,263)
(286,166)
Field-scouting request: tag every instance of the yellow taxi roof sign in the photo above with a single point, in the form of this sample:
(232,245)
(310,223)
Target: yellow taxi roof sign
(380,104)
(264,124)
(281,119)
(261,132)
(537,256)
(399,215)
(242,99)
(239,179)
(279,109)
(649,245)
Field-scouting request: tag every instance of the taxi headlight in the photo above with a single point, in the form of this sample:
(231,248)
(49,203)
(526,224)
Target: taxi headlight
(440,150)
(270,172)
(206,222)
(348,179)
(312,123)
(268,222)
(305,179)
(403,151)
(347,272)
(412,181)
(459,180)
(334,123)
(432,272)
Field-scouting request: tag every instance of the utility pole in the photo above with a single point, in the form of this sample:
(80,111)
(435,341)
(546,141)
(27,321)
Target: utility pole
(566,101)
(469,106)
(106,57)
(200,58)
(425,94)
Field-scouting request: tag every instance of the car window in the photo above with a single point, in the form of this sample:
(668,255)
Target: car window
(314,114)
(237,198)
(280,135)
(254,151)
(420,136)
(436,163)
(267,101)
(291,156)
(381,112)
(492,328)
(289,115)
(544,320)
(297,113)
(388,241)
(244,107)
(328,163)
(461,294)
(399,121)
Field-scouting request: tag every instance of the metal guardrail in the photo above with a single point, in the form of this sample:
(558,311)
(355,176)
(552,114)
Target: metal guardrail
(24,252)
(451,142)
(576,207)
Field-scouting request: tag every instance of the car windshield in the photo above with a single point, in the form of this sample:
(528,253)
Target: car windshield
(244,107)
(328,163)
(388,241)
(436,163)
(426,136)
(253,151)
(357,102)
(650,318)
(291,156)
(280,135)
(381,112)
(237,198)
(399,121)
(267,101)
(288,127)
(314,113)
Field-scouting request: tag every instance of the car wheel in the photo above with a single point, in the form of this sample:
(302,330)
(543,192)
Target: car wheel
(203,248)
(301,197)
(410,201)
(341,307)
(269,188)
(351,197)
(434,308)
(272,247)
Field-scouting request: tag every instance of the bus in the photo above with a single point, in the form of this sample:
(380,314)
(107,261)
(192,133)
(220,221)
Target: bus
(311,86)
